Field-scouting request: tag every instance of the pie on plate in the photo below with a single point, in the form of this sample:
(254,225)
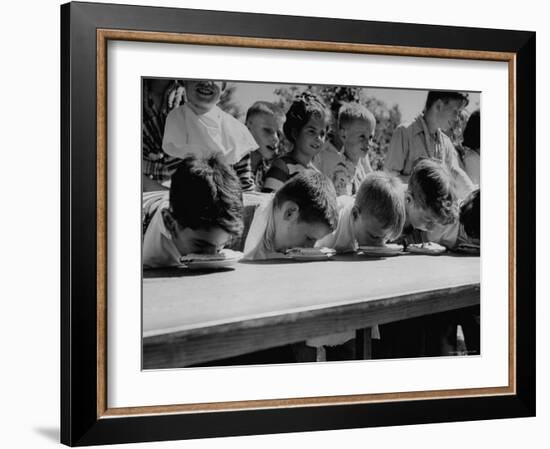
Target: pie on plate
(388,250)
(226,258)
(429,248)
(309,254)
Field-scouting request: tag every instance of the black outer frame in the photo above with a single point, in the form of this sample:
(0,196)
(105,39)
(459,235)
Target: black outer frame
(79,422)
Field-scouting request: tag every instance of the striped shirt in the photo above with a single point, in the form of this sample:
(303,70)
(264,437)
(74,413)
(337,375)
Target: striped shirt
(282,169)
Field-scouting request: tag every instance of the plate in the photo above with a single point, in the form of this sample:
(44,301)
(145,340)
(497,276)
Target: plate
(309,254)
(225,259)
(381,251)
(429,248)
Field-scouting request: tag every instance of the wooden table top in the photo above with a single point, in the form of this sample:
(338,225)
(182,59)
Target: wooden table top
(194,317)
(178,299)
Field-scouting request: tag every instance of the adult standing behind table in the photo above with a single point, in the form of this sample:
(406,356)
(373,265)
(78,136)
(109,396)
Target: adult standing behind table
(424,138)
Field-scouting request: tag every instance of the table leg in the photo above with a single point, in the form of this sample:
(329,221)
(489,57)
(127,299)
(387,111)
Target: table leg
(363,343)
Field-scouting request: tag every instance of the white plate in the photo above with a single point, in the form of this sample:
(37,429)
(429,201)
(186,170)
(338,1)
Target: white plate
(385,251)
(211,264)
(430,248)
(310,254)
(231,258)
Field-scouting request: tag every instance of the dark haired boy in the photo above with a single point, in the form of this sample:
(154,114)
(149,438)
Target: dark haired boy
(424,138)
(302,211)
(430,200)
(200,213)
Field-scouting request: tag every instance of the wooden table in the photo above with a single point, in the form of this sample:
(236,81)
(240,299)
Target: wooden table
(195,317)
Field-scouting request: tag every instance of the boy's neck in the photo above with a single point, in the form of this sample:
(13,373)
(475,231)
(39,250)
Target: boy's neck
(301,158)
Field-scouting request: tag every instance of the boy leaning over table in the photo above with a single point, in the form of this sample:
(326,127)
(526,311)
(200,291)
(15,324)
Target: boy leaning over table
(301,212)
(200,214)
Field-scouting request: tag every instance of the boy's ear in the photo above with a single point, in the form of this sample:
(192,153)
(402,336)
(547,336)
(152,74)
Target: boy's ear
(169,221)
(291,211)
(355,212)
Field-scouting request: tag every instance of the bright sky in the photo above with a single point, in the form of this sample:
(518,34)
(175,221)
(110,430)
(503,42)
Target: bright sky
(411,102)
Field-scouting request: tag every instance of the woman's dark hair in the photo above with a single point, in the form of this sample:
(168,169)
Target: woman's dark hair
(471,134)
(206,193)
(301,110)
(314,194)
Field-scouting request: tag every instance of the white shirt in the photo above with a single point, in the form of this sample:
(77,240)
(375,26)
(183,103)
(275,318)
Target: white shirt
(213,133)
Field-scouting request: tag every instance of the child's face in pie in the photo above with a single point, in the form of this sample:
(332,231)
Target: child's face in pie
(421,219)
(195,241)
(292,232)
(367,229)
(203,95)
(200,241)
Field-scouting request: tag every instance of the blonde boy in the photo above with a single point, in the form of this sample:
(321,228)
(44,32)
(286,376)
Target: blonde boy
(375,216)
(348,167)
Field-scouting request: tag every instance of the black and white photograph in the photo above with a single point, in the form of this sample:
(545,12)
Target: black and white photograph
(293,223)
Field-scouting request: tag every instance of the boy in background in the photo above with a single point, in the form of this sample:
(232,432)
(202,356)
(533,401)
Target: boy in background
(265,121)
(348,167)
(200,213)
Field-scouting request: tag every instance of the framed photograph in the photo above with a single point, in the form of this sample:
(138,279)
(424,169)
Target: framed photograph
(206,291)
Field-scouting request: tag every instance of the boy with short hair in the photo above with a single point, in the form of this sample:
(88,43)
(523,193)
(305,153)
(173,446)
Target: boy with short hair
(301,212)
(200,213)
(348,167)
(424,138)
(265,121)
(430,200)
(199,127)
(374,216)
